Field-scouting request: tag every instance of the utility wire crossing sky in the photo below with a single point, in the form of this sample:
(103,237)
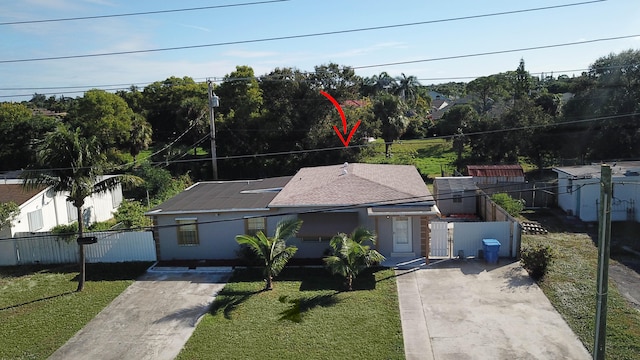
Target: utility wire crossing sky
(77,45)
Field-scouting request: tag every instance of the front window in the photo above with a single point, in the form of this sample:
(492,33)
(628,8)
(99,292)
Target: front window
(188,232)
(253,225)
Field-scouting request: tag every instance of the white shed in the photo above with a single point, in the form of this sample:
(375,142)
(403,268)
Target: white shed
(579,191)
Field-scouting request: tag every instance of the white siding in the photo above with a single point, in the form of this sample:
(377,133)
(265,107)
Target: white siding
(56,210)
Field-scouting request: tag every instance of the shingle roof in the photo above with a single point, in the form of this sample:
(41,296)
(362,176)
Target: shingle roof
(16,193)
(361,184)
(223,196)
(495,170)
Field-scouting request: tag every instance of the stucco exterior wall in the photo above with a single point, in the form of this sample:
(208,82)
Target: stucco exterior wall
(216,234)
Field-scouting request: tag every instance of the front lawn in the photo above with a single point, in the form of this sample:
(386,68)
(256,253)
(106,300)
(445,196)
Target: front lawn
(570,285)
(40,310)
(321,321)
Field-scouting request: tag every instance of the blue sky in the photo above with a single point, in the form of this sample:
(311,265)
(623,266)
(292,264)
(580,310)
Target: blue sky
(603,19)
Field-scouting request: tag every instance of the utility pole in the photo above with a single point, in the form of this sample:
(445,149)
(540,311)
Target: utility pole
(604,244)
(214,102)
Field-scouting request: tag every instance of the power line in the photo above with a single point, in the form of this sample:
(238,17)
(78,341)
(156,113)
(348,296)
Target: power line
(499,51)
(338,148)
(139,13)
(79,89)
(300,36)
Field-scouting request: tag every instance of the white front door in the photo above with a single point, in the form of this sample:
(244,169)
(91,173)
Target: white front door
(402,234)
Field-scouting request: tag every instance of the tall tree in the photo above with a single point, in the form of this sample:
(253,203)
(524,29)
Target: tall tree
(72,164)
(379,83)
(273,250)
(390,111)
(351,254)
(407,87)
(20,130)
(239,121)
(168,110)
(105,116)
(522,82)
(610,91)
(457,122)
(339,81)
(485,91)
(139,136)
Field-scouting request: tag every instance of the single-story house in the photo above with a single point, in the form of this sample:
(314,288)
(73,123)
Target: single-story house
(41,209)
(496,174)
(392,200)
(579,191)
(456,196)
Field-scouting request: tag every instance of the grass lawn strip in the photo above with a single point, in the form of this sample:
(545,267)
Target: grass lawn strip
(430,157)
(570,285)
(40,310)
(245,322)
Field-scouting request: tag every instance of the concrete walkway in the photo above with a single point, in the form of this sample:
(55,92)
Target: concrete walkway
(152,319)
(471,310)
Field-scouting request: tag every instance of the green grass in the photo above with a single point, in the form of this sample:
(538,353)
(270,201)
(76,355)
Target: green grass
(430,157)
(40,310)
(570,285)
(244,322)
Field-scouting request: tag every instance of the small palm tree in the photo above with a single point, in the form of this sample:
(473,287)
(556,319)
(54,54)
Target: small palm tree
(68,162)
(140,135)
(273,250)
(351,256)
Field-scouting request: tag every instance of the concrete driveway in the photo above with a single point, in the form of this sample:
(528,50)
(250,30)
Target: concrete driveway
(471,310)
(152,319)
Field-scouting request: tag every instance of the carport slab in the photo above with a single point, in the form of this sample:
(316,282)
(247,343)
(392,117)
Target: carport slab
(152,319)
(474,310)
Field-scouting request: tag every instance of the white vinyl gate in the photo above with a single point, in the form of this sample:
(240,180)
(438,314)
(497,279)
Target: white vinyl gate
(439,239)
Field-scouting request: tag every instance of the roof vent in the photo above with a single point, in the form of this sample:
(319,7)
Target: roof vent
(344,168)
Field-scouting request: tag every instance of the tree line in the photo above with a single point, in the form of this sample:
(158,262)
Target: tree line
(499,118)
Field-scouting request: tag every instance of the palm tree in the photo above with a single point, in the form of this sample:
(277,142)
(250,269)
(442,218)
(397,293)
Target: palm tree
(406,87)
(273,250)
(67,162)
(140,135)
(390,110)
(351,256)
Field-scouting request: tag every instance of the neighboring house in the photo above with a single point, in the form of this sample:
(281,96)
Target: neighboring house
(391,200)
(456,196)
(579,191)
(41,209)
(496,174)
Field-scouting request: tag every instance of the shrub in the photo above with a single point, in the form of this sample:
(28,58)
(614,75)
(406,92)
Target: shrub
(247,256)
(536,259)
(509,204)
(131,214)
(66,232)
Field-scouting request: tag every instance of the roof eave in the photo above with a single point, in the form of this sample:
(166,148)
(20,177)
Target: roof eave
(206,211)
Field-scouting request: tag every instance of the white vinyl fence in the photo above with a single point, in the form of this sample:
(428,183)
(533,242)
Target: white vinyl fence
(448,239)
(51,249)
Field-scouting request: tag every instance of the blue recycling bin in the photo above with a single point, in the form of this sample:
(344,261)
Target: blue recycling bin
(491,247)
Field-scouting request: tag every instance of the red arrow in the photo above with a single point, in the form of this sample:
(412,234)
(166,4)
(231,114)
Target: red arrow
(344,121)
